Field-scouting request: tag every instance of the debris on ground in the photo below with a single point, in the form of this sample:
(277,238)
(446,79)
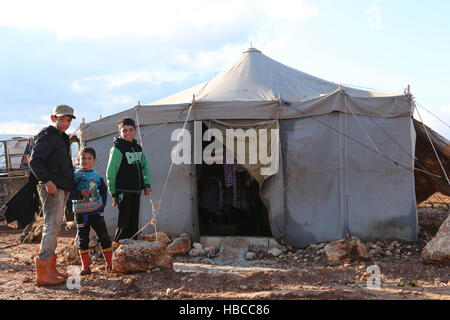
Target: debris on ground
(349,248)
(438,249)
(140,256)
(33,233)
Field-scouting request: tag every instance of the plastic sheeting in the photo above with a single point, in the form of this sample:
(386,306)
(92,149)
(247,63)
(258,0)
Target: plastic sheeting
(334,186)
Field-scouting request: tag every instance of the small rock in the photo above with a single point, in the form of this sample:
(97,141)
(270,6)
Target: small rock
(275,252)
(250,256)
(197,245)
(26,279)
(388,253)
(395,244)
(196,252)
(180,245)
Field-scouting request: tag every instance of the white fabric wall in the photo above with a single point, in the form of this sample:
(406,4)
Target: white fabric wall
(324,168)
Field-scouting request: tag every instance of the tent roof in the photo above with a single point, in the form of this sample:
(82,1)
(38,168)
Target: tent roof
(256,77)
(257,87)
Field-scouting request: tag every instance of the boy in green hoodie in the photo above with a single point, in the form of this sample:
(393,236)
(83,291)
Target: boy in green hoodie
(127,174)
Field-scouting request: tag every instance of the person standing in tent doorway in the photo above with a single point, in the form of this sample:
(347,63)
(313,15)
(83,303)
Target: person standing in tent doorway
(51,164)
(128,173)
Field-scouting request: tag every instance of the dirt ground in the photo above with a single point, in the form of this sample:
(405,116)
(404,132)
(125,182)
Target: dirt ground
(299,274)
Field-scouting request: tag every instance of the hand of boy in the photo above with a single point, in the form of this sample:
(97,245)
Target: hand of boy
(51,188)
(115,203)
(85,193)
(148,191)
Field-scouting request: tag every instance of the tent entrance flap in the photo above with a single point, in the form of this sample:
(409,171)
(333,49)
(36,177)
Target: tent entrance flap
(228,198)
(261,180)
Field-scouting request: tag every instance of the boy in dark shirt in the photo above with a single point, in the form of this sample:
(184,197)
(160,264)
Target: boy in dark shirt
(51,164)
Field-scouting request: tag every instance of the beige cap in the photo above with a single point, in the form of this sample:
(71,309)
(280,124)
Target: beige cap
(63,110)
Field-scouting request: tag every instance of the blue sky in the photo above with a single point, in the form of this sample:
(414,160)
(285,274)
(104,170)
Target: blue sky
(101,56)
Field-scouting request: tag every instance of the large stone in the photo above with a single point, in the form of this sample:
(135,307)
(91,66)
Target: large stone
(349,248)
(274,252)
(159,236)
(197,252)
(180,245)
(140,256)
(438,249)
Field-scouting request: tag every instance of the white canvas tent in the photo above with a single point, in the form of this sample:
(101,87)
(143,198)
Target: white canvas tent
(346,155)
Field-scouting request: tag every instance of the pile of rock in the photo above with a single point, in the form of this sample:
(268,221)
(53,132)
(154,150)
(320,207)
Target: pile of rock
(179,245)
(199,251)
(349,248)
(259,253)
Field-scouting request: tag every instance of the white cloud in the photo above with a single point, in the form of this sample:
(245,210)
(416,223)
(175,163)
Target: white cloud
(21,128)
(106,18)
(110,82)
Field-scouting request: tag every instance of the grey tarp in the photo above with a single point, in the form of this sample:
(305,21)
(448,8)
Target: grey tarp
(334,186)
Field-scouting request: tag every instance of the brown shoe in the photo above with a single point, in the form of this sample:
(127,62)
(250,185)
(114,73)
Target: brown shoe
(44,275)
(53,268)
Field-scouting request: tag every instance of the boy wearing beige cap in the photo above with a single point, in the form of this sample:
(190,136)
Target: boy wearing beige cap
(51,165)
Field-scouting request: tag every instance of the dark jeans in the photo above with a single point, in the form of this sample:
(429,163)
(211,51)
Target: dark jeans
(128,223)
(97,222)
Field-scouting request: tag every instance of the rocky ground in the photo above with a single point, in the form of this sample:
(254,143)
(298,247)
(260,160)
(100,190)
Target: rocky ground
(284,273)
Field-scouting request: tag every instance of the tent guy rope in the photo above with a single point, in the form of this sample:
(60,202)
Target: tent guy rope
(155,208)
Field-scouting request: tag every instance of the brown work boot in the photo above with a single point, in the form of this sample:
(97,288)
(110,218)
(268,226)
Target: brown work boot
(53,269)
(44,275)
